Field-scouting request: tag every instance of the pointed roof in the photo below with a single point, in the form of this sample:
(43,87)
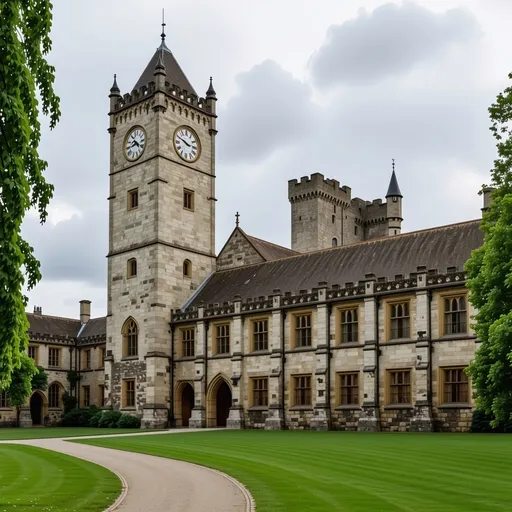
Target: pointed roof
(267,250)
(175,74)
(210,93)
(393,189)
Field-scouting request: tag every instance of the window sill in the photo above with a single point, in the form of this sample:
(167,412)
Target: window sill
(221,356)
(130,358)
(55,408)
(458,336)
(349,344)
(398,406)
(258,408)
(128,408)
(301,408)
(303,349)
(354,407)
(6,408)
(260,352)
(185,358)
(400,340)
(455,406)
(54,367)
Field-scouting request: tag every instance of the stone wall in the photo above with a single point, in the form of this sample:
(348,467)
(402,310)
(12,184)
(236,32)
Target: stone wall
(237,252)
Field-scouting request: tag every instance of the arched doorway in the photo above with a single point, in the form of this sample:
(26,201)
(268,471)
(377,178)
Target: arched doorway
(187,403)
(222,403)
(36,408)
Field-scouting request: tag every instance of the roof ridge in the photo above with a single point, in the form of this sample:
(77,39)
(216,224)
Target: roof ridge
(52,316)
(272,243)
(363,242)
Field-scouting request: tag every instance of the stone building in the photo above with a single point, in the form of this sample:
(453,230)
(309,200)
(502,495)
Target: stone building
(358,326)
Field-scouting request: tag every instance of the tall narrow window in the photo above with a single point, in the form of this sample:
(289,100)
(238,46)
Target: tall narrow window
(456,386)
(333,219)
(349,326)
(101,357)
(129,393)
(101,395)
(400,321)
(188,199)
(86,396)
(187,268)
(188,341)
(334,242)
(303,330)
(400,387)
(355,230)
(133,199)
(260,392)
(54,395)
(54,357)
(260,334)
(4,401)
(302,385)
(130,338)
(87,359)
(455,315)
(132,267)
(349,388)
(32,352)
(222,339)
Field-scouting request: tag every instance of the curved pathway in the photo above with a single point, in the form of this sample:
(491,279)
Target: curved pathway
(156,484)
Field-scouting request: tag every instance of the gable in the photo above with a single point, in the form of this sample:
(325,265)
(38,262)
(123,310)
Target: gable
(237,252)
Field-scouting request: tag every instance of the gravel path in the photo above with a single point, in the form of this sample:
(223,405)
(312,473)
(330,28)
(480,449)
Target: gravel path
(155,484)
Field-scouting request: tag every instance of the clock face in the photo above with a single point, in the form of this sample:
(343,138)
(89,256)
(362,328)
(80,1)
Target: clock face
(135,144)
(186,143)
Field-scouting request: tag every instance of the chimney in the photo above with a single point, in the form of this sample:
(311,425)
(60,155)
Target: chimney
(38,310)
(85,311)
(486,192)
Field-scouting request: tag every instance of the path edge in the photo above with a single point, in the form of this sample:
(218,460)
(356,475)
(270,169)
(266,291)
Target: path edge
(124,489)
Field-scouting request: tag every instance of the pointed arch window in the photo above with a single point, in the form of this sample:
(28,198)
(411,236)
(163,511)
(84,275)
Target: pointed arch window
(187,268)
(130,338)
(54,395)
(455,315)
(400,321)
(132,267)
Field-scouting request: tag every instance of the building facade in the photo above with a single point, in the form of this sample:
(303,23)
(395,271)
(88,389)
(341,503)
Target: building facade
(356,327)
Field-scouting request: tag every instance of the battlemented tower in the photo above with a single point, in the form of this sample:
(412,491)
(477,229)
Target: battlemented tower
(324,214)
(161,227)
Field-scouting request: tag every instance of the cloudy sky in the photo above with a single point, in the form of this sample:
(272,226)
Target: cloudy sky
(337,87)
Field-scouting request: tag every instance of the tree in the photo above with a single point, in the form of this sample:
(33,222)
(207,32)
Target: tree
(490,278)
(21,384)
(26,80)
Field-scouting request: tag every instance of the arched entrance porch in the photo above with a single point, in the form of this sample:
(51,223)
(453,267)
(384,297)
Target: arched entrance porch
(37,408)
(219,402)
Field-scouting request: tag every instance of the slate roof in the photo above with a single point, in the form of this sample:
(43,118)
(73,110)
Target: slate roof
(174,73)
(62,327)
(53,325)
(436,248)
(267,250)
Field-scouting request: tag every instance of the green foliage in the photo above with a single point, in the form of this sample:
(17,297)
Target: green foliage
(128,421)
(490,279)
(40,379)
(95,419)
(26,81)
(20,387)
(109,419)
(69,402)
(481,422)
(73,378)
(78,417)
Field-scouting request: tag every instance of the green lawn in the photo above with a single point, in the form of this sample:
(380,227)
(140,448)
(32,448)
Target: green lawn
(10,434)
(36,479)
(336,471)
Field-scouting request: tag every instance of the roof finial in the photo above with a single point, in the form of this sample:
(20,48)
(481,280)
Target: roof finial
(237,217)
(162,35)
(114,90)
(393,160)
(210,93)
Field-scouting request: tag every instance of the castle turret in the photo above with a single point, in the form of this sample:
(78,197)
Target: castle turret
(394,206)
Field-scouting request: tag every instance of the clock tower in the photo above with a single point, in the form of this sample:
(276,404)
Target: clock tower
(161,227)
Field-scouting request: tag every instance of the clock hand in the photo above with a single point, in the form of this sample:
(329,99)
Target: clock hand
(184,141)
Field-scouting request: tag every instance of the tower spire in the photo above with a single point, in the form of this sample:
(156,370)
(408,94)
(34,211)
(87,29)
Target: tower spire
(210,93)
(393,189)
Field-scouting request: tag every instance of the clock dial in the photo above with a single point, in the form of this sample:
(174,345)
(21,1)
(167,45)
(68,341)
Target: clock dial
(186,143)
(135,144)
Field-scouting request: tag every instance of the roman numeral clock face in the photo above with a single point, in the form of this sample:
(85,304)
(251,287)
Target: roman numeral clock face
(135,143)
(186,143)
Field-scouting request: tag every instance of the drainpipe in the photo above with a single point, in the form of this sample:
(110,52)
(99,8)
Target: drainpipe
(79,374)
(430,348)
(206,328)
(377,359)
(328,379)
(283,362)
(172,419)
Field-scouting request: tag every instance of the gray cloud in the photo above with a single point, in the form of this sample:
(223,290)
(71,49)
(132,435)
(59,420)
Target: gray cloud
(391,40)
(272,110)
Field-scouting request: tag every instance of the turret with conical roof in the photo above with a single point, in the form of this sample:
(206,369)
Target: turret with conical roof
(394,205)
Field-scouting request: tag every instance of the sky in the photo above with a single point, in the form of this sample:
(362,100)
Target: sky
(336,87)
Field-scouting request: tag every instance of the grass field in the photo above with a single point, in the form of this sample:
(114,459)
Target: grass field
(335,471)
(10,434)
(36,479)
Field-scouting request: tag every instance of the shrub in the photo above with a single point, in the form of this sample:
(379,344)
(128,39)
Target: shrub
(109,419)
(68,401)
(481,422)
(128,421)
(78,417)
(95,419)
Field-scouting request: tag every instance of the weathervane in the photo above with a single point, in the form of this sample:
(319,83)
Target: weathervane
(393,160)
(163,25)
